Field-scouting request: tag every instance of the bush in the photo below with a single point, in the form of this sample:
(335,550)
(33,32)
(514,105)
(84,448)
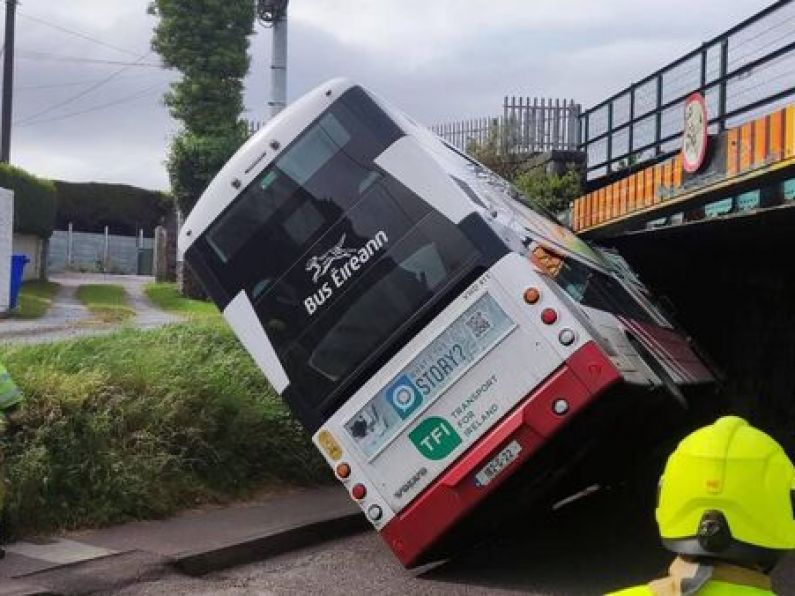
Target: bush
(91,206)
(551,192)
(34,201)
(139,424)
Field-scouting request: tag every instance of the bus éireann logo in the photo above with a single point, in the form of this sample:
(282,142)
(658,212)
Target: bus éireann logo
(403,396)
(339,264)
(319,265)
(435,438)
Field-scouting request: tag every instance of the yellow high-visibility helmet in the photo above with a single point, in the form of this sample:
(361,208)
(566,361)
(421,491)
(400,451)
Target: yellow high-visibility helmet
(727,493)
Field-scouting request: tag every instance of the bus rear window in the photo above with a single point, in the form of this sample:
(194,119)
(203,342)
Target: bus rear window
(336,255)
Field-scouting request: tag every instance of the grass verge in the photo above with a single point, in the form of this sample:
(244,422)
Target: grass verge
(35,299)
(139,424)
(107,302)
(166,297)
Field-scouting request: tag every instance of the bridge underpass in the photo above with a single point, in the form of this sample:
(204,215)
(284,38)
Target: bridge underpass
(730,280)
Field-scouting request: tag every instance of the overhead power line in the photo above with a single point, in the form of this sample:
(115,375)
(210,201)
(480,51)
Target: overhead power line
(34,55)
(83,93)
(151,90)
(74,33)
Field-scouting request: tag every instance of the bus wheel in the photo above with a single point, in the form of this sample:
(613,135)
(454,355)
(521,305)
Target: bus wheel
(668,383)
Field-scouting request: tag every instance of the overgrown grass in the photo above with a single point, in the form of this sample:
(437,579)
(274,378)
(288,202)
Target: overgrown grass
(166,297)
(107,302)
(35,299)
(139,424)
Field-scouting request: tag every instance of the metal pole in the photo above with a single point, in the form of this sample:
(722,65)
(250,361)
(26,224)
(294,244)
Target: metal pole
(8,81)
(69,246)
(279,64)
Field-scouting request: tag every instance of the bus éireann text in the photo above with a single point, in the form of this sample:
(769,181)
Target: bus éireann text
(432,330)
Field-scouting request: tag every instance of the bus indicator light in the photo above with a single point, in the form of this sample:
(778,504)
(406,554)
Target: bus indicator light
(549,316)
(531,295)
(343,470)
(359,492)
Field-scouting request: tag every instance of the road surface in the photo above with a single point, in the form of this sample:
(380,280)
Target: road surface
(599,544)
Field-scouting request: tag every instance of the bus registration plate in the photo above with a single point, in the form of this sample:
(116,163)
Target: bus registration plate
(498,463)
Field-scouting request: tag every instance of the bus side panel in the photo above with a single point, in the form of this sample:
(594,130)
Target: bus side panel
(672,350)
(585,375)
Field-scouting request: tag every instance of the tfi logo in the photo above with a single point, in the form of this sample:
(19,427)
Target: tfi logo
(319,266)
(339,264)
(435,438)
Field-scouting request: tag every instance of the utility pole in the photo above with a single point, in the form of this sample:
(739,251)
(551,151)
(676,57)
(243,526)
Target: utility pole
(8,81)
(273,14)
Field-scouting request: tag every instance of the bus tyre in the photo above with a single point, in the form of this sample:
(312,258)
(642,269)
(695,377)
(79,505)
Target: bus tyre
(667,382)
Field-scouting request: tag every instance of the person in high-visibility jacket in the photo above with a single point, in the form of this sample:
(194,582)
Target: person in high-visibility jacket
(725,506)
(10,398)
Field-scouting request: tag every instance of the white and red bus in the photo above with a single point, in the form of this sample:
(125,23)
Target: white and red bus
(431,330)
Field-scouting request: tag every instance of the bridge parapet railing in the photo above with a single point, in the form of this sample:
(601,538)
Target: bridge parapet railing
(743,72)
(736,159)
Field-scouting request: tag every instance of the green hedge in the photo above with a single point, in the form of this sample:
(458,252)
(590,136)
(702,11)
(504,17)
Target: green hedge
(34,201)
(91,206)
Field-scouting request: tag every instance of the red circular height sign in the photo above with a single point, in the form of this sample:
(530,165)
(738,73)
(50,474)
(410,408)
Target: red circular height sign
(694,136)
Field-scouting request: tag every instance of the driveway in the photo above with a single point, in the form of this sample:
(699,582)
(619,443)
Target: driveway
(67,318)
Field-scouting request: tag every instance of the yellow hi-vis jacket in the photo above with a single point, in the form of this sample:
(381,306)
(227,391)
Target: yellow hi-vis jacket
(10,395)
(692,579)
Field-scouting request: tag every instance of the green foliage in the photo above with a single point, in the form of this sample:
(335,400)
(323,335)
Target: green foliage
(107,302)
(91,206)
(492,155)
(35,299)
(552,192)
(166,297)
(34,201)
(194,161)
(207,41)
(139,424)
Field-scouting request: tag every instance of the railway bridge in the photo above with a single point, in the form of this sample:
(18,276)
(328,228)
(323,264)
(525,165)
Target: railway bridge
(691,175)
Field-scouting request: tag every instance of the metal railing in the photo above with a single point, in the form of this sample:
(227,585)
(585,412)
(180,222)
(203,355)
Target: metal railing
(527,126)
(743,72)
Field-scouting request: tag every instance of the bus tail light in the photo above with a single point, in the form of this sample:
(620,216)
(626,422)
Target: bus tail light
(343,470)
(359,492)
(549,316)
(532,295)
(374,512)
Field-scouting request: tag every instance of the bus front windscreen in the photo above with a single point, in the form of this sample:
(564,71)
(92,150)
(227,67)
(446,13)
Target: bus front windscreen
(335,254)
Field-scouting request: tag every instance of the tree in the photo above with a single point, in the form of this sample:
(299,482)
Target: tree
(549,191)
(207,41)
(491,152)
(552,192)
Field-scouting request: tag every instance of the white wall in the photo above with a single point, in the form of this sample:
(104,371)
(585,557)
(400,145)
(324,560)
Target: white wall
(6,236)
(33,247)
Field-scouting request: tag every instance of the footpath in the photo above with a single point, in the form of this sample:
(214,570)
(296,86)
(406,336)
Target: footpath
(193,543)
(67,318)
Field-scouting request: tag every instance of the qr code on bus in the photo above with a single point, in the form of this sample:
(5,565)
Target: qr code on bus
(478,324)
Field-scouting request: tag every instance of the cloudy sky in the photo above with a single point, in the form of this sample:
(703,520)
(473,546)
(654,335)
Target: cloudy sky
(88,106)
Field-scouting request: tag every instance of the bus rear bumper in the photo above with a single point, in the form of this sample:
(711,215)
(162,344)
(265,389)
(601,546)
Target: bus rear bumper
(586,374)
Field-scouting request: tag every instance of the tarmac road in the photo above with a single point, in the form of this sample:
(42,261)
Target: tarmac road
(601,543)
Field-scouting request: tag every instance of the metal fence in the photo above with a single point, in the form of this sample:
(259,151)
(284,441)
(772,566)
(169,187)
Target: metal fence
(109,253)
(744,72)
(527,126)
